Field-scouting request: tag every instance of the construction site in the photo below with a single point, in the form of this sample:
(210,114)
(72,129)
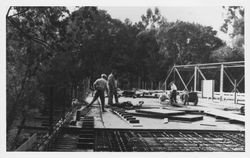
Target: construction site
(178,87)
(208,121)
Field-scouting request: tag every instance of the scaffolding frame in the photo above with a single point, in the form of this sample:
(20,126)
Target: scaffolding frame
(197,69)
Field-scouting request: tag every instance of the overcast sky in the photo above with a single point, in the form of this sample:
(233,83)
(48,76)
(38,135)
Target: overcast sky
(208,16)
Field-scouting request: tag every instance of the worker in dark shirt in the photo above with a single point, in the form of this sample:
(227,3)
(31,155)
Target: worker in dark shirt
(112,87)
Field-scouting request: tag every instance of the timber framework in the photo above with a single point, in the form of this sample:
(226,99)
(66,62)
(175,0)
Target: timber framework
(197,69)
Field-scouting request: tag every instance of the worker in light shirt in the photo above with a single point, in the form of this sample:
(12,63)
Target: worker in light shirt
(173,92)
(100,86)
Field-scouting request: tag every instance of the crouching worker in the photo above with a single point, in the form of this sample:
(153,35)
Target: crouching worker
(100,85)
(173,92)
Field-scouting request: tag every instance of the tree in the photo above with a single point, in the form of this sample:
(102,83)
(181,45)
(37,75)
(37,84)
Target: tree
(32,36)
(187,43)
(226,53)
(152,20)
(235,19)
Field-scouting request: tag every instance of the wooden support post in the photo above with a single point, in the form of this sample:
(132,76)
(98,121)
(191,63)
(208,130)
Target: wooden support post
(195,78)
(221,81)
(235,90)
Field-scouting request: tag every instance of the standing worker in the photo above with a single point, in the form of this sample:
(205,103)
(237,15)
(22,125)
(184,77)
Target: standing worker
(173,92)
(100,85)
(112,87)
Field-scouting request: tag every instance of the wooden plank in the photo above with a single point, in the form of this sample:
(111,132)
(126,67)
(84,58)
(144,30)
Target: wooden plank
(163,112)
(186,117)
(221,114)
(186,110)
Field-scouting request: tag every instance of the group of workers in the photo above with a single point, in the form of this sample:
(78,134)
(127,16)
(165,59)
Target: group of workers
(108,84)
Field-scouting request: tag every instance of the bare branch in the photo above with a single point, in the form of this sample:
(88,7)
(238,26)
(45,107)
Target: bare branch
(19,13)
(8,12)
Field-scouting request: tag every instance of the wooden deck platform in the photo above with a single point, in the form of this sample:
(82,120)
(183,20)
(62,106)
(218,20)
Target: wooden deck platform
(209,122)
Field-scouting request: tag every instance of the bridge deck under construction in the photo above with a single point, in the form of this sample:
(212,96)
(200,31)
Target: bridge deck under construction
(150,140)
(115,130)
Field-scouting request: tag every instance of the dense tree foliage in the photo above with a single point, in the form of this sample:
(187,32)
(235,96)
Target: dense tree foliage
(49,46)
(188,43)
(234,26)
(235,19)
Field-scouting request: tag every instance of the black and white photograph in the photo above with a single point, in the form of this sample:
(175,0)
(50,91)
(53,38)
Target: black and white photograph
(99,78)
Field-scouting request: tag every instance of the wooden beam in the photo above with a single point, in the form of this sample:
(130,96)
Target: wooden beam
(228,78)
(195,77)
(234,66)
(240,80)
(181,79)
(190,79)
(212,64)
(221,81)
(165,82)
(201,73)
(210,67)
